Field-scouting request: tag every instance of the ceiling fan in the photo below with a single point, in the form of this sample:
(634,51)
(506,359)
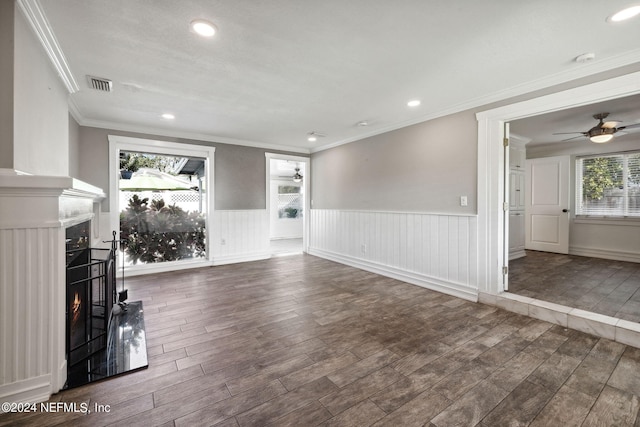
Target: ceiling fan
(297,177)
(600,133)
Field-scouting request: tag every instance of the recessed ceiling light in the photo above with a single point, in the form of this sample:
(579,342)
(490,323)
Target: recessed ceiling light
(168,116)
(362,123)
(312,139)
(413,103)
(625,14)
(203,28)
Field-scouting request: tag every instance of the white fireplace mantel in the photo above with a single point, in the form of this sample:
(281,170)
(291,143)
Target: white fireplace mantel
(34,212)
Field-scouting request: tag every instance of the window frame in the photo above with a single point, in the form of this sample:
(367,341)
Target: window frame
(119,143)
(625,218)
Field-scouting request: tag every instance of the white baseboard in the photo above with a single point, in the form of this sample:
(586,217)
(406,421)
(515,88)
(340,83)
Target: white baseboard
(232,259)
(435,284)
(517,254)
(32,390)
(605,253)
(161,267)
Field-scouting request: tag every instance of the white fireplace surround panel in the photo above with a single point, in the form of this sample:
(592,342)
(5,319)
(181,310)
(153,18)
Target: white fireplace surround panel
(34,213)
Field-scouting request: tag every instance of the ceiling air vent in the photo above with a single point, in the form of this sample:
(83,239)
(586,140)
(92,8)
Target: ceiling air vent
(100,84)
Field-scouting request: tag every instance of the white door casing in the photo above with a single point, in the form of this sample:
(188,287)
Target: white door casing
(547,204)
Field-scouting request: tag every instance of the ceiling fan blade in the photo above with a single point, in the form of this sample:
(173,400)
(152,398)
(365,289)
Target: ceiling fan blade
(629,127)
(611,124)
(575,137)
(568,133)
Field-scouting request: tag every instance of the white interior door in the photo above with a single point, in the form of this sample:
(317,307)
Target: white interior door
(547,204)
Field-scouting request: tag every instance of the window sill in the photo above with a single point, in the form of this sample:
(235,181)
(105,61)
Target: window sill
(602,220)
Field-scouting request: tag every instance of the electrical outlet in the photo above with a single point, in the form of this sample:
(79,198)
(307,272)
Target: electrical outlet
(463,200)
(223,242)
(363,248)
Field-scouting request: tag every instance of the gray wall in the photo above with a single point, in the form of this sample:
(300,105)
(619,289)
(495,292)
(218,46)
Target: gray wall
(7,9)
(421,168)
(239,171)
(41,114)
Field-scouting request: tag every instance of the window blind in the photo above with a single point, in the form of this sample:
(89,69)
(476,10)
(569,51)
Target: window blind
(608,185)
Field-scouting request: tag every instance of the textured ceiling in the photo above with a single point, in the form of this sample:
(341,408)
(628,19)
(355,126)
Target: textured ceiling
(278,69)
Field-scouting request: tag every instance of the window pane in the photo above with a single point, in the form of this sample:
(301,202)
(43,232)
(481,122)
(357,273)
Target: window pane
(609,185)
(289,202)
(633,183)
(162,208)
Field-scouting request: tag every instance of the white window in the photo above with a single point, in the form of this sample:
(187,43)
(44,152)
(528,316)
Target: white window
(608,185)
(133,219)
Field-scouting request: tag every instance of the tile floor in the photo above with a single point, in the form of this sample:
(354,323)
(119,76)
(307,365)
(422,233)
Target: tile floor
(281,247)
(602,286)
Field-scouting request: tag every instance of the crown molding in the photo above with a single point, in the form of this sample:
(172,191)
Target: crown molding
(36,18)
(580,71)
(149,130)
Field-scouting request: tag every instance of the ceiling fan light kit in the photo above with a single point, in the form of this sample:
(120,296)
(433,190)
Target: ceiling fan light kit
(601,139)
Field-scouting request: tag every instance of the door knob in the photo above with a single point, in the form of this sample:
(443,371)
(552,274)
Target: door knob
(565,210)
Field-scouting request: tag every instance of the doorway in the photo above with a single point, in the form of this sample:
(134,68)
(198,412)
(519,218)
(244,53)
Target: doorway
(287,203)
(546,268)
(491,170)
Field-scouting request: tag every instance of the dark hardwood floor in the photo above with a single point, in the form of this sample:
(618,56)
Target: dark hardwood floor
(301,341)
(599,285)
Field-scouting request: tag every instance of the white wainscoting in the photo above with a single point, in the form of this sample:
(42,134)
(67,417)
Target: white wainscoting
(31,311)
(240,235)
(436,251)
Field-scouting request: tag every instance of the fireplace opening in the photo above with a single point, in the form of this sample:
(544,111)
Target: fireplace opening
(95,346)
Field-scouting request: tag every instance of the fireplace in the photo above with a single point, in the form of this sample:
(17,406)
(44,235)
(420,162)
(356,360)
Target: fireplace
(90,295)
(35,212)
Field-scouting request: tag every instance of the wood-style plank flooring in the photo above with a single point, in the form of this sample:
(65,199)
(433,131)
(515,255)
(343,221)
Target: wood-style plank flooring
(599,285)
(301,341)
